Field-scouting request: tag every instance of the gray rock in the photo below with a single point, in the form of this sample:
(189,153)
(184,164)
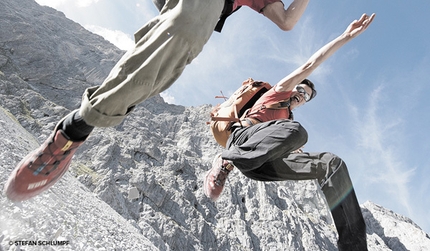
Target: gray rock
(160,150)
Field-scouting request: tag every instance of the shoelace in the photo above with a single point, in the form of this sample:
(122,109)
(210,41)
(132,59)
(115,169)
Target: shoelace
(53,161)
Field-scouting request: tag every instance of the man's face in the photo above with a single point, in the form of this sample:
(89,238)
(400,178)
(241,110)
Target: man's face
(299,95)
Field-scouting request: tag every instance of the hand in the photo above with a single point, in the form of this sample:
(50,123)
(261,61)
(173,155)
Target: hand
(358,26)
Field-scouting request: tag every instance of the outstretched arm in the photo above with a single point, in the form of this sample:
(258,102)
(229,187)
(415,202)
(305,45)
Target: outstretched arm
(285,19)
(353,30)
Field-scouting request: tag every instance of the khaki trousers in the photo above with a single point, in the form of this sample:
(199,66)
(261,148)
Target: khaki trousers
(164,46)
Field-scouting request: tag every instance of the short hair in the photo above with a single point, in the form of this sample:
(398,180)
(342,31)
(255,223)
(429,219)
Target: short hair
(312,86)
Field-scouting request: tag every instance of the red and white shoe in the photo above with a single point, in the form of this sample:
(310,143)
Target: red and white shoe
(216,177)
(41,168)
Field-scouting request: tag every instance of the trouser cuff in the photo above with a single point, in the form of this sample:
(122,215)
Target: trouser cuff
(95,118)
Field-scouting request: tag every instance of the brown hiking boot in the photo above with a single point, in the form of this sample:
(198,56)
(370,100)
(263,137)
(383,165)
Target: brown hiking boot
(41,168)
(216,177)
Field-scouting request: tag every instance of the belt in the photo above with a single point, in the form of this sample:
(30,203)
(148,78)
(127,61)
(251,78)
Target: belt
(246,122)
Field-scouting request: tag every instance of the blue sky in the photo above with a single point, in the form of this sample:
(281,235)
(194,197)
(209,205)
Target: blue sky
(372,107)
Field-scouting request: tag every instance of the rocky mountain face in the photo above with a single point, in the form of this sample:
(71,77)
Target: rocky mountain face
(160,151)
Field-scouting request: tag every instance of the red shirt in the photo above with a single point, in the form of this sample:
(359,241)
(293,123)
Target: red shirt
(270,97)
(257,5)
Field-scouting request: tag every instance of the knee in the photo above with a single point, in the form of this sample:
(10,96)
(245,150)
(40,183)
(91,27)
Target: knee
(335,162)
(335,165)
(336,172)
(303,134)
(295,132)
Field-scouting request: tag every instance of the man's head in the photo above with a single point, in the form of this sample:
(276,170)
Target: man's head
(302,93)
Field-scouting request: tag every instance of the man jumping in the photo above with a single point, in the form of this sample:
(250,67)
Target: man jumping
(268,149)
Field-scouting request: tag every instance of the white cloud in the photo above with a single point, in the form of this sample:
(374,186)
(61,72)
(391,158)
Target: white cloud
(378,142)
(116,37)
(167,97)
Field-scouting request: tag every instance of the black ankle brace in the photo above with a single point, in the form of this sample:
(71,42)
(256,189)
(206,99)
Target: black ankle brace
(75,127)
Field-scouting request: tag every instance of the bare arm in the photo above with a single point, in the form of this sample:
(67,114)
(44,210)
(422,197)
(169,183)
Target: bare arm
(354,29)
(285,19)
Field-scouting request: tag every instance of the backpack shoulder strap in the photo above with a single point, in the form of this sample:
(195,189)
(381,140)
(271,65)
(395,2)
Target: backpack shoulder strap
(279,105)
(226,12)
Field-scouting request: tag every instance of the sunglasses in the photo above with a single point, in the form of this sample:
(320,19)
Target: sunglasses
(302,90)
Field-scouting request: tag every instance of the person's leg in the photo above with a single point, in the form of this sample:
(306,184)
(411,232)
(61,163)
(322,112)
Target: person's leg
(249,148)
(332,174)
(263,152)
(151,67)
(346,212)
(163,48)
(75,127)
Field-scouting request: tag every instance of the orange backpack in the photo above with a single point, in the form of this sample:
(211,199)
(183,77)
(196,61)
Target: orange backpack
(236,109)
(223,116)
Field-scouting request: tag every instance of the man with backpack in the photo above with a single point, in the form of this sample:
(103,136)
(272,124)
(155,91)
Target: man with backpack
(266,144)
(164,46)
